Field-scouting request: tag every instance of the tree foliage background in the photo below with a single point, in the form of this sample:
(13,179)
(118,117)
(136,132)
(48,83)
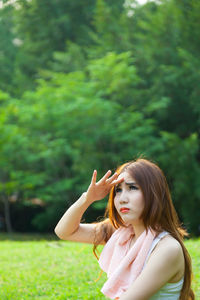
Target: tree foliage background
(89,85)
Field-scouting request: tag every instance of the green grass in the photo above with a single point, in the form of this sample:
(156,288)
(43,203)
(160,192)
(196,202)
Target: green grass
(35,267)
(193,247)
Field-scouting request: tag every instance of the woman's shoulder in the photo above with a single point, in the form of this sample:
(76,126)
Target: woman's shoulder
(169,243)
(171,250)
(167,256)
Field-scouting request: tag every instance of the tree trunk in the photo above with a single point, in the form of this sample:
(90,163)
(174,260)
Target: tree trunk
(7,214)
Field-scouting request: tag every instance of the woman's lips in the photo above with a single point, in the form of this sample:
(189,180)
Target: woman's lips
(124,209)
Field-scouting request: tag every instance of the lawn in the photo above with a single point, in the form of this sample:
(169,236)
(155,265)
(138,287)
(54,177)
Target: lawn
(35,267)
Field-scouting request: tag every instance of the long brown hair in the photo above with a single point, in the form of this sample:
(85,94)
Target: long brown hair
(159,212)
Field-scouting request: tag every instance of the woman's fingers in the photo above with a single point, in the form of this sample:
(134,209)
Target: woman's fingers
(105,177)
(94,177)
(113,177)
(117,181)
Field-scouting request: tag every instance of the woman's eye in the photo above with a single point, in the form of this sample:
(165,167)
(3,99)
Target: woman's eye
(133,187)
(117,190)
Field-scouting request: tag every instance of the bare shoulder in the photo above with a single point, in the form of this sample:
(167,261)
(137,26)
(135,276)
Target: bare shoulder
(168,257)
(170,246)
(170,251)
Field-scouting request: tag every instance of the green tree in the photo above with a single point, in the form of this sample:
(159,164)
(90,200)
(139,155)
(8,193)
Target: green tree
(8,48)
(17,158)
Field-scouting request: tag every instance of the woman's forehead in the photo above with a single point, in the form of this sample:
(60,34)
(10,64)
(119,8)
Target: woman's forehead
(127,177)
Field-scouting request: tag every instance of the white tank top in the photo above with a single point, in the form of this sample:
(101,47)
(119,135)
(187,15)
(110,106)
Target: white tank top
(170,291)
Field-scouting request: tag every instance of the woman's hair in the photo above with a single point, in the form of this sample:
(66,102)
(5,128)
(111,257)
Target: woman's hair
(159,212)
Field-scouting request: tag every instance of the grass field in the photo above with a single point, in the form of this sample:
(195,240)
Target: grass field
(35,267)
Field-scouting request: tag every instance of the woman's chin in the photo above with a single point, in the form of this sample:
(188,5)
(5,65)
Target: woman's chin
(127,221)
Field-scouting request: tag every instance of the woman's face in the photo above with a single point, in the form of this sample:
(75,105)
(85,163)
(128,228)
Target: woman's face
(129,200)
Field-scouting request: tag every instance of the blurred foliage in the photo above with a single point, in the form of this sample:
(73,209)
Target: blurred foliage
(90,86)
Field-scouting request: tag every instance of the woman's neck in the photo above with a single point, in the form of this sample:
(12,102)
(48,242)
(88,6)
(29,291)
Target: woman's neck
(138,230)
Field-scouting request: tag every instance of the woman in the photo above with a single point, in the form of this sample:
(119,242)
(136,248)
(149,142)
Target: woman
(144,255)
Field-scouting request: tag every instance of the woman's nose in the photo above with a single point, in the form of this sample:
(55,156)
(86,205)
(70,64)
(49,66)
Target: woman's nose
(123,198)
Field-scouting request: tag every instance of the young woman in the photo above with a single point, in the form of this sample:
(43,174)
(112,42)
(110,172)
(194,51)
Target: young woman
(144,255)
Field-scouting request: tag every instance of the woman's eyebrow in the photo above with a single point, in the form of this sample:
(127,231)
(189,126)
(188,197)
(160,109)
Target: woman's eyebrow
(130,183)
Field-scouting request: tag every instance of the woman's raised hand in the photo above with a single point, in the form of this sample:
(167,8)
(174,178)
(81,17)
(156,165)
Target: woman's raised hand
(98,190)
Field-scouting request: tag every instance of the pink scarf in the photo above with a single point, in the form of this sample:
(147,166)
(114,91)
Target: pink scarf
(122,263)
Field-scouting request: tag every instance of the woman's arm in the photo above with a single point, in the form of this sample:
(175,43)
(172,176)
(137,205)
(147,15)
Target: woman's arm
(164,263)
(69,227)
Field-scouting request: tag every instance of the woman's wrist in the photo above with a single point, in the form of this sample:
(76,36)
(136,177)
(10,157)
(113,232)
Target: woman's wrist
(88,198)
